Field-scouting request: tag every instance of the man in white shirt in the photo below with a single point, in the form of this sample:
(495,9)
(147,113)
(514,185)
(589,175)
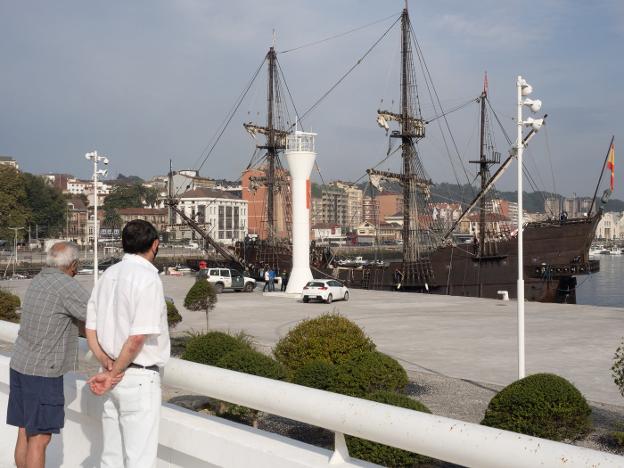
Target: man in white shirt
(127,322)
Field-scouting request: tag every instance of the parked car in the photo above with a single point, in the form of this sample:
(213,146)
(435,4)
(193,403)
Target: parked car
(326,290)
(226,278)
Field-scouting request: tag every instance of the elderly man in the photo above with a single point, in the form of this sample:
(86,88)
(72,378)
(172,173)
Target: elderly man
(127,321)
(46,348)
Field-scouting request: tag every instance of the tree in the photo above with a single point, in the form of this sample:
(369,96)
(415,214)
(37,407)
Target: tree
(47,204)
(14,209)
(150,196)
(128,180)
(124,196)
(82,197)
(201,296)
(131,196)
(112,220)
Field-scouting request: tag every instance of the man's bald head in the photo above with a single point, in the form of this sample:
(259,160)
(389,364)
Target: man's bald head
(63,255)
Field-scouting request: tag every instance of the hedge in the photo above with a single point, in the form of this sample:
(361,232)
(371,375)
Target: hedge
(9,303)
(315,374)
(540,405)
(253,362)
(365,373)
(209,348)
(330,338)
(384,454)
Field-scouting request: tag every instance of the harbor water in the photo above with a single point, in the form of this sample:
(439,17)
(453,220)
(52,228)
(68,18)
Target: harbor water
(604,288)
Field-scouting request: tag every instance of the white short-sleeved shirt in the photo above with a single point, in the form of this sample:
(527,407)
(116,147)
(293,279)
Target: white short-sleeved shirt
(129,300)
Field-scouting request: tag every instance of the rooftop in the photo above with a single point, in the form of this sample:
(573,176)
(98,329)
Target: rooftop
(208,193)
(142,211)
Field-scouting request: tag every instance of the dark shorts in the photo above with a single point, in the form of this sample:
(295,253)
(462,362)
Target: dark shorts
(36,403)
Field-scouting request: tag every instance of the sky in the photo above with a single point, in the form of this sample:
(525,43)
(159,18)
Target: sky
(149,80)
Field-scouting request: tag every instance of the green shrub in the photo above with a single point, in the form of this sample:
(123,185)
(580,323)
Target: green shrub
(253,362)
(201,296)
(369,372)
(383,454)
(617,370)
(9,303)
(616,439)
(173,316)
(330,338)
(209,348)
(315,374)
(541,405)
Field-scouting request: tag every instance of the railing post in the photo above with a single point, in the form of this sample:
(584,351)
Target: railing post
(341,451)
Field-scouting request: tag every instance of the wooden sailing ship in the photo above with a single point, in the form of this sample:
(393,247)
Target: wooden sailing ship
(555,251)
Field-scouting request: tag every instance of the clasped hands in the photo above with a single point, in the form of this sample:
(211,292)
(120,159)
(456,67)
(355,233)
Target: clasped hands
(103,381)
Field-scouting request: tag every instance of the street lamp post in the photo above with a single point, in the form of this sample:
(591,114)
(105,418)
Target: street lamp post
(15,229)
(523,89)
(93,156)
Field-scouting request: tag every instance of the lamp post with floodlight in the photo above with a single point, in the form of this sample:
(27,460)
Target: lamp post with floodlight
(523,89)
(93,156)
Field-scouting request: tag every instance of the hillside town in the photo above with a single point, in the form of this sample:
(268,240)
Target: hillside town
(342,213)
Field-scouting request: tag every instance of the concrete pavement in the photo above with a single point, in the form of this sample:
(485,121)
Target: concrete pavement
(468,338)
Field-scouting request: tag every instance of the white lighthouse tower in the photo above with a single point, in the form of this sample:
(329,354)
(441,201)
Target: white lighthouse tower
(300,156)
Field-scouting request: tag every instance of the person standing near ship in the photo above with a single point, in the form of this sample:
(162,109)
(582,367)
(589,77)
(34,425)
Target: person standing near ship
(267,286)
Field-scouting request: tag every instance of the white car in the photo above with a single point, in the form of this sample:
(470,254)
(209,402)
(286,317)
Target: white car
(327,290)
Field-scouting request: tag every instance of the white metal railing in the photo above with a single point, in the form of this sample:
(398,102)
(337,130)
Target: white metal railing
(438,437)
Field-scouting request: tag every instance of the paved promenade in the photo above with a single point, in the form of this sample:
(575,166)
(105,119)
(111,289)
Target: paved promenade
(473,339)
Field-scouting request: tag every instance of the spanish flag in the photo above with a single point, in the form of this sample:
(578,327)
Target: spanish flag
(611,164)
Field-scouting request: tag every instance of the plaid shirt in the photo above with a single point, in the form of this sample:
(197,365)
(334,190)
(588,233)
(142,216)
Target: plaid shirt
(47,342)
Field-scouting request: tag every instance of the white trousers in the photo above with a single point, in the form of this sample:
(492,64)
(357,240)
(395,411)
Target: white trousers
(130,421)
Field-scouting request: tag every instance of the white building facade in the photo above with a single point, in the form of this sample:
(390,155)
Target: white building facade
(221,214)
(611,226)
(354,204)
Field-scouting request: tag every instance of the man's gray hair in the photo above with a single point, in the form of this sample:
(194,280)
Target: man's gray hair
(62,254)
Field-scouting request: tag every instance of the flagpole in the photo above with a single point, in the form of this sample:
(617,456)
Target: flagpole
(600,179)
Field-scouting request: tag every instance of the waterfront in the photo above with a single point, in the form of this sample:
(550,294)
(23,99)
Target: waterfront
(605,287)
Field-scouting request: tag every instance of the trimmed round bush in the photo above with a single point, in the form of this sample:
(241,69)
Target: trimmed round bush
(383,454)
(329,337)
(540,405)
(9,303)
(173,316)
(253,362)
(368,372)
(209,348)
(315,374)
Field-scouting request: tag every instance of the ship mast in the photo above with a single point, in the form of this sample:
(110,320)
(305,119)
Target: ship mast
(417,219)
(271,149)
(275,139)
(487,157)
(483,172)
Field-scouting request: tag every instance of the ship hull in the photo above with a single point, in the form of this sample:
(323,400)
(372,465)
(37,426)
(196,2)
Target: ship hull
(555,253)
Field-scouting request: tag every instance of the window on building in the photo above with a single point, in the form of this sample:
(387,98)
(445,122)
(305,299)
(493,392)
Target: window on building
(236,225)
